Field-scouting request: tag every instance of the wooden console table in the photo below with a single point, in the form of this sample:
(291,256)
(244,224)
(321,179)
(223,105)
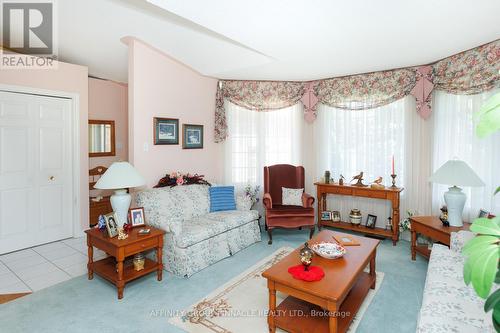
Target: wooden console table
(387,193)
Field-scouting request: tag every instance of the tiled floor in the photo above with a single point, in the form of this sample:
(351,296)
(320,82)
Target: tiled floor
(43,266)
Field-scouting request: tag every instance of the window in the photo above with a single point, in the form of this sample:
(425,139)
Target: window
(455,137)
(351,141)
(260,138)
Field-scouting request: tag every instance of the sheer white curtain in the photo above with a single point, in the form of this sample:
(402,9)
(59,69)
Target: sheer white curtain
(260,138)
(454,136)
(348,142)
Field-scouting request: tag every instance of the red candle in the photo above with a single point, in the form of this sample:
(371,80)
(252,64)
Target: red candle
(393,164)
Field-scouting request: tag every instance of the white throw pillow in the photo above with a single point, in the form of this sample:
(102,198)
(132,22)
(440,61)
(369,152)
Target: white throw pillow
(291,196)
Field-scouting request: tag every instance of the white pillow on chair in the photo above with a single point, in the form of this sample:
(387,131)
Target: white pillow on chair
(291,196)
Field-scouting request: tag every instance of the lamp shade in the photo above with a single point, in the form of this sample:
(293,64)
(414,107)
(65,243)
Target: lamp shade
(120,175)
(456,173)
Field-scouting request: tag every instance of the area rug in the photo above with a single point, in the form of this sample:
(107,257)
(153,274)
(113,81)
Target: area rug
(240,305)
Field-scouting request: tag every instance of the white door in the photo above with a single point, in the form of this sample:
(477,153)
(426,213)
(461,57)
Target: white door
(36,187)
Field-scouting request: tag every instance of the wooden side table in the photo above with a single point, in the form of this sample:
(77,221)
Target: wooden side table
(112,268)
(432,227)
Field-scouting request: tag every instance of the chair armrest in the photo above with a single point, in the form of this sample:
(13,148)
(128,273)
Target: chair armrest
(268,201)
(307,200)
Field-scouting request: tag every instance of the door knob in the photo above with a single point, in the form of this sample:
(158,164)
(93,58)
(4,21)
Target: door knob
(52,178)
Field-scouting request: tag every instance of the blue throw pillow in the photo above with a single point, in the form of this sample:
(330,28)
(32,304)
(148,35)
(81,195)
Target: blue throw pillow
(222,198)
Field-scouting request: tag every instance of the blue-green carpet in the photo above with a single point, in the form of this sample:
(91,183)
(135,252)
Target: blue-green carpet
(80,305)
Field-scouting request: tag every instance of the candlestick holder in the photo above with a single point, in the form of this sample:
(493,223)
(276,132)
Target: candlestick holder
(393,176)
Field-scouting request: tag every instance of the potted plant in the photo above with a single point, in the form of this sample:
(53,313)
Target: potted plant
(483,251)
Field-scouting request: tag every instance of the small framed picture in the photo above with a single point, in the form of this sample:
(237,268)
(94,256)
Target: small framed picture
(136,216)
(326,216)
(483,213)
(371,220)
(335,216)
(192,136)
(166,131)
(111,224)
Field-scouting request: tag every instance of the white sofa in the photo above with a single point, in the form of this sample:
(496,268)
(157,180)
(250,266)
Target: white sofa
(448,304)
(196,238)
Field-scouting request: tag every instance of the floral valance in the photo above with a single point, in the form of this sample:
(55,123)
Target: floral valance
(365,91)
(254,95)
(469,72)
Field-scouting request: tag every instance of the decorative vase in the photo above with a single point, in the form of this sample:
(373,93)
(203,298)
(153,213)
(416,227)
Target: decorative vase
(355,216)
(327,177)
(139,261)
(306,255)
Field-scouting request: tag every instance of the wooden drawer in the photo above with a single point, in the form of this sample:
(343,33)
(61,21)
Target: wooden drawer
(370,194)
(141,246)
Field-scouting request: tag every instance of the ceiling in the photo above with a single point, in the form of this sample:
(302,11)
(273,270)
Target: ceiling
(274,40)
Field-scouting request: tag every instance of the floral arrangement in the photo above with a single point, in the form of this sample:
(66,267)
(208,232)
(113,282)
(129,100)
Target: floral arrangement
(406,224)
(251,193)
(177,178)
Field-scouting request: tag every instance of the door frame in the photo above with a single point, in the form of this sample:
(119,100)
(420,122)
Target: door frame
(78,229)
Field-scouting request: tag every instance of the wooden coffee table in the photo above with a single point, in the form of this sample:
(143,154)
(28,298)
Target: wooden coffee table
(328,305)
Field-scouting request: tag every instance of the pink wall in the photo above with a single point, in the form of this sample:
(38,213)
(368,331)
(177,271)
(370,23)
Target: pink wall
(108,100)
(160,86)
(66,78)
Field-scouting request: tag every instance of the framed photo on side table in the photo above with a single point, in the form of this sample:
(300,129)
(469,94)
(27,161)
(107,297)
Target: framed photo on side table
(192,136)
(111,224)
(136,216)
(166,131)
(371,220)
(326,215)
(483,213)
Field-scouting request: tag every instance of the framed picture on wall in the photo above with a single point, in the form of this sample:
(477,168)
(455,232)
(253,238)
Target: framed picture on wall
(166,131)
(192,136)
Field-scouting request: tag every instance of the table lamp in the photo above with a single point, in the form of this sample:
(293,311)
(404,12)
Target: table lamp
(456,173)
(119,177)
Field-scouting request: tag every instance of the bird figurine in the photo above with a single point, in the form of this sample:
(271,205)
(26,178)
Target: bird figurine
(377,183)
(341,180)
(359,179)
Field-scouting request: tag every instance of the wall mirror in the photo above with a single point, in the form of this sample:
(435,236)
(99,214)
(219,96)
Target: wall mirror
(101,138)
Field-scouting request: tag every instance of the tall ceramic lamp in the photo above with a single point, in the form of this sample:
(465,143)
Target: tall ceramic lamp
(119,177)
(456,173)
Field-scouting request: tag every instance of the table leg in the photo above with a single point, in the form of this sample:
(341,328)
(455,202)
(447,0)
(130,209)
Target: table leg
(90,263)
(373,273)
(159,273)
(332,318)
(272,307)
(120,284)
(413,244)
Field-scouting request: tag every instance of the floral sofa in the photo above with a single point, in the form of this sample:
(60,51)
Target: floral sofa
(448,304)
(196,238)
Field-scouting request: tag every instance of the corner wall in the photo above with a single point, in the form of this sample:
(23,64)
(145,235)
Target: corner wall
(108,100)
(160,86)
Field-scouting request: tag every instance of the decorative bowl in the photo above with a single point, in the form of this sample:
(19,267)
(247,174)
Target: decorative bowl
(329,250)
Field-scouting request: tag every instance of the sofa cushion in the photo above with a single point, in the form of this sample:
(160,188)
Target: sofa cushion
(222,198)
(234,218)
(448,304)
(201,228)
(167,207)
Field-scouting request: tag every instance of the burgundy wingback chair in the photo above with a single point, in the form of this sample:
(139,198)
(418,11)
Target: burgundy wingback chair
(281,216)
